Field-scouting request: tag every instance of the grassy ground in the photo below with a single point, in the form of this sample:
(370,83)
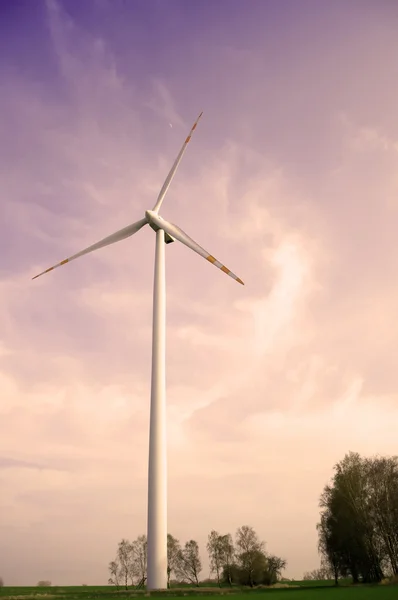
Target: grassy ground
(296,591)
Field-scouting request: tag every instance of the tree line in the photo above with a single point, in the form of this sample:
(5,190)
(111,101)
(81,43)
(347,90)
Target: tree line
(241,561)
(358,528)
(357,537)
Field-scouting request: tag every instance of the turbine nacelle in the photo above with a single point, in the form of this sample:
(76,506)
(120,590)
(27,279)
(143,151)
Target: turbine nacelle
(155,222)
(153,219)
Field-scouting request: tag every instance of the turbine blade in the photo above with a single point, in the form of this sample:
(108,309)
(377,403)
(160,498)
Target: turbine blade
(111,239)
(177,161)
(180,235)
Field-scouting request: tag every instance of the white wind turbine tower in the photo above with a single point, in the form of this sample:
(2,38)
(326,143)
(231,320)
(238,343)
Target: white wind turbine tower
(157,472)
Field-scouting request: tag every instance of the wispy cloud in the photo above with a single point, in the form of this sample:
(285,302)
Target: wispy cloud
(162,103)
(14,463)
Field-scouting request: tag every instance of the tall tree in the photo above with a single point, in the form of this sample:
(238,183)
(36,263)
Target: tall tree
(275,566)
(125,560)
(228,557)
(173,556)
(382,475)
(189,564)
(139,556)
(249,552)
(328,549)
(114,572)
(215,549)
(128,563)
(358,530)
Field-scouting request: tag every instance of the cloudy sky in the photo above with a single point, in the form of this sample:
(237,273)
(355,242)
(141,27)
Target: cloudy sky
(290,179)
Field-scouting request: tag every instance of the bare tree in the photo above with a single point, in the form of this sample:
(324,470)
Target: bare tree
(228,557)
(221,555)
(323,573)
(173,556)
(139,551)
(189,564)
(130,564)
(114,570)
(214,549)
(247,540)
(1,582)
(124,559)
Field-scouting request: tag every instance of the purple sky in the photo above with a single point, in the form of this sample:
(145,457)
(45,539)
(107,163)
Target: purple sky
(291,180)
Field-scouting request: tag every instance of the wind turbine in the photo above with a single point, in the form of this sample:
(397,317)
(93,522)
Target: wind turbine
(157,470)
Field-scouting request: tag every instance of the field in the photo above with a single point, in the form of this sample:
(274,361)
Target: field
(295,591)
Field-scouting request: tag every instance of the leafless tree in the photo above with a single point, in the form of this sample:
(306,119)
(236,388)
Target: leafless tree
(173,556)
(125,558)
(323,573)
(189,564)
(122,568)
(228,557)
(214,549)
(114,578)
(221,554)
(139,551)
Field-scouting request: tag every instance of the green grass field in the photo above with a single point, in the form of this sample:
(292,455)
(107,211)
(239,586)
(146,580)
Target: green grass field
(297,591)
